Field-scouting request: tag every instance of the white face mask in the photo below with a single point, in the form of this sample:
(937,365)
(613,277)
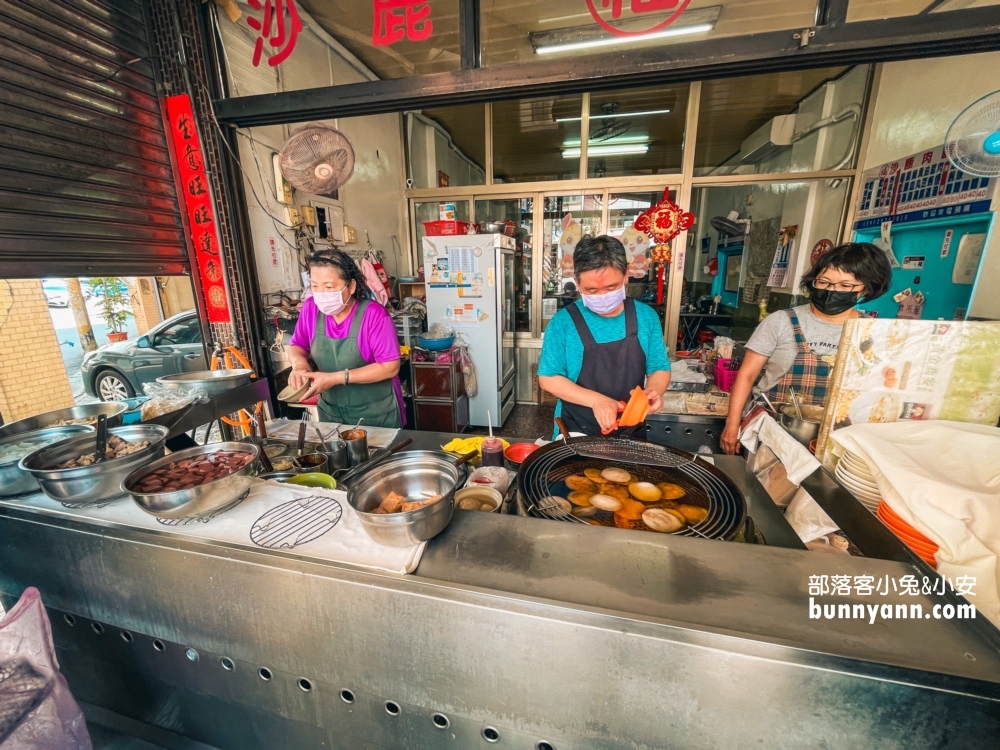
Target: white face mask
(330,303)
(602,304)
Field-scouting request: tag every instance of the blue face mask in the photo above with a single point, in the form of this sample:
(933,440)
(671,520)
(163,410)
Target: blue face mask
(602,304)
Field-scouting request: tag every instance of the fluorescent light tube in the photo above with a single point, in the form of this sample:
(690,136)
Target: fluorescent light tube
(615,115)
(617,141)
(639,148)
(612,41)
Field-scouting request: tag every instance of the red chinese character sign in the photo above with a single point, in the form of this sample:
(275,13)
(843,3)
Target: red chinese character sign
(662,223)
(198,205)
(396,19)
(279,26)
(638,7)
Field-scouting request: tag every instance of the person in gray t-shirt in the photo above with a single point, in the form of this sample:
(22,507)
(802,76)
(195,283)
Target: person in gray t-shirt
(796,348)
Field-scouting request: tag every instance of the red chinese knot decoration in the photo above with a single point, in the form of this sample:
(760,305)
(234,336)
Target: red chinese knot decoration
(281,33)
(395,19)
(198,205)
(638,7)
(662,223)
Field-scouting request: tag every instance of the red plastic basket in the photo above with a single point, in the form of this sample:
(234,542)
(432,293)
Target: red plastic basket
(725,378)
(446,228)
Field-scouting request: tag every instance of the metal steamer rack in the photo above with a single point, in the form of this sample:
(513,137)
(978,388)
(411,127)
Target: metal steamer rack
(296,522)
(543,473)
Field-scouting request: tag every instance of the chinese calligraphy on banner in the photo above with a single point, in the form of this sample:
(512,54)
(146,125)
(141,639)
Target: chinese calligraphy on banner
(395,19)
(281,33)
(198,205)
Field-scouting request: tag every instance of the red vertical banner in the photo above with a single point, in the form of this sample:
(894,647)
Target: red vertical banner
(198,204)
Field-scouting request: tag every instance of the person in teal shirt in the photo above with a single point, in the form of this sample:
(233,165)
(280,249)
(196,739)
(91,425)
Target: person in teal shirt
(598,349)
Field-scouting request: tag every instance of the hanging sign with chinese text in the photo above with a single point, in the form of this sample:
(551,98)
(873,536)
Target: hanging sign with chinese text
(638,7)
(398,19)
(280,27)
(921,186)
(198,205)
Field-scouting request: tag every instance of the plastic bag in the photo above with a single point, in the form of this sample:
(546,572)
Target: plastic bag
(469,370)
(808,519)
(164,400)
(37,710)
(496,477)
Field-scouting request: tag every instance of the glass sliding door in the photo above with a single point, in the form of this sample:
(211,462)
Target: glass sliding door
(567,219)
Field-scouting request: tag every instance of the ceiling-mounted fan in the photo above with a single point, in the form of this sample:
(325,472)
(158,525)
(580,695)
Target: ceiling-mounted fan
(317,159)
(611,127)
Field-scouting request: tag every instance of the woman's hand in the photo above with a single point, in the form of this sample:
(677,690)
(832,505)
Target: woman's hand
(606,412)
(298,377)
(321,381)
(655,400)
(730,439)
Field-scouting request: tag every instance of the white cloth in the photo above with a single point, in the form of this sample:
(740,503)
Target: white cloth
(808,519)
(284,429)
(795,457)
(347,542)
(943,478)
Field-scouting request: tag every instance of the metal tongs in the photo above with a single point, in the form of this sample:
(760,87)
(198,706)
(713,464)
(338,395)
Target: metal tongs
(257,430)
(102,438)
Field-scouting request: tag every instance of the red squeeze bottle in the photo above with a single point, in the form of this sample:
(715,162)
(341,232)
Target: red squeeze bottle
(492,449)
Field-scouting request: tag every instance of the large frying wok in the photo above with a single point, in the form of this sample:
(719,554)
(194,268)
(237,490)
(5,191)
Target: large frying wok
(544,471)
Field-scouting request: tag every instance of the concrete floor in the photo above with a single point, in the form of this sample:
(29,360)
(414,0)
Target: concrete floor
(526,421)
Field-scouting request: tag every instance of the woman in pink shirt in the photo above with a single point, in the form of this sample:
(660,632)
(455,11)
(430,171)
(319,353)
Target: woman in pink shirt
(345,346)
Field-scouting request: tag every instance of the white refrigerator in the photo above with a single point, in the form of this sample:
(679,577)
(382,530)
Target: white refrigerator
(470,287)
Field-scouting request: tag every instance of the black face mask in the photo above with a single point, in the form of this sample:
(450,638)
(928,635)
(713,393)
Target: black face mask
(830,302)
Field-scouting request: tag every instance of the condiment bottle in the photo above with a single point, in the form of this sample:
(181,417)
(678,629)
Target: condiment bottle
(492,449)
(492,452)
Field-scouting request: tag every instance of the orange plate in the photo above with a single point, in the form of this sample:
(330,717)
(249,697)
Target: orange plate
(921,548)
(636,409)
(896,522)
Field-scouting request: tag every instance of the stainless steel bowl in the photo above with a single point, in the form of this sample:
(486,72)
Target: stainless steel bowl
(212,382)
(196,501)
(318,462)
(113,411)
(97,482)
(16,481)
(279,476)
(414,475)
(803,430)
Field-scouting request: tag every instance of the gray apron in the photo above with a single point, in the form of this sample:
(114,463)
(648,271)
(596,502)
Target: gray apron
(376,402)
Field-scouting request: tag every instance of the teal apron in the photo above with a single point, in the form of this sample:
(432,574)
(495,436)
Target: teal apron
(376,402)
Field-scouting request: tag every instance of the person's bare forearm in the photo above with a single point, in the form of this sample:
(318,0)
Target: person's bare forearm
(658,381)
(299,358)
(565,389)
(738,398)
(376,372)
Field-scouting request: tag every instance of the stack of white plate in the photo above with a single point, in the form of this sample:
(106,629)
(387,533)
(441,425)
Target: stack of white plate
(853,473)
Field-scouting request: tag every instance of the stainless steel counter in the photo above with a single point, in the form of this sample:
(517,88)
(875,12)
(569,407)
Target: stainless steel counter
(529,630)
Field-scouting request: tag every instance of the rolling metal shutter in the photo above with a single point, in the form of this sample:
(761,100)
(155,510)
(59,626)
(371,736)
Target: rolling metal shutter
(86,185)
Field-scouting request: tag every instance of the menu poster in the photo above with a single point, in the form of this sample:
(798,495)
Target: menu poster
(891,369)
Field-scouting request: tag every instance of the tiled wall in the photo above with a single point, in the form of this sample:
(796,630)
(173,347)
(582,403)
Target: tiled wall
(32,375)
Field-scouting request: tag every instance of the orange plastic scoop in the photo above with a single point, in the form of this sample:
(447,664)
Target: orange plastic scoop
(636,409)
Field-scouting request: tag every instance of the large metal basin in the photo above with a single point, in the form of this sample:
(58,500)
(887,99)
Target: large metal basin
(414,475)
(88,485)
(211,382)
(113,411)
(14,480)
(196,501)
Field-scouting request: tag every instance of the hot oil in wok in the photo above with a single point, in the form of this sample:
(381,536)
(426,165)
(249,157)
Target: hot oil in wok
(694,493)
